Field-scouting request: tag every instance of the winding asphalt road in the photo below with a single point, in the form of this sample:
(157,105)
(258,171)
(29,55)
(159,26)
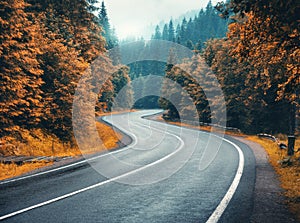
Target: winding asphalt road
(167,174)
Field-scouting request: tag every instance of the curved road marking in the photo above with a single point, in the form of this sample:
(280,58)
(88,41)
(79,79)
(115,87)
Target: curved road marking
(218,212)
(65,167)
(215,217)
(132,144)
(95,185)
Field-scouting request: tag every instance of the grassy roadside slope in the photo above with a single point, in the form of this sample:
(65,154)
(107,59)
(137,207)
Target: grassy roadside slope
(37,143)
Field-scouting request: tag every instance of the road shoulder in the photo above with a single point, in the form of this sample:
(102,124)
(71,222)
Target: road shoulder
(61,163)
(269,201)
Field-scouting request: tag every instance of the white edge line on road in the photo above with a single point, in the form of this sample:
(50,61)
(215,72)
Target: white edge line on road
(133,143)
(218,212)
(95,185)
(216,215)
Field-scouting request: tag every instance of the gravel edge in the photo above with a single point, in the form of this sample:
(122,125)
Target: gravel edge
(269,201)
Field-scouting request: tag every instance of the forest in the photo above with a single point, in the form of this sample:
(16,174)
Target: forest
(46,47)
(254,53)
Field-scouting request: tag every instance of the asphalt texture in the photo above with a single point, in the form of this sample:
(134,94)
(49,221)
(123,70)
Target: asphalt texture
(154,179)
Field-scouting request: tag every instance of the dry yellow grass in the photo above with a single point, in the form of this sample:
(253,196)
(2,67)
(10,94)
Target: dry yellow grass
(13,170)
(41,144)
(289,175)
(107,134)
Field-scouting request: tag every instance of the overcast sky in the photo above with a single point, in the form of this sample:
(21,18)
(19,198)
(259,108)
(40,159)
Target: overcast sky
(130,17)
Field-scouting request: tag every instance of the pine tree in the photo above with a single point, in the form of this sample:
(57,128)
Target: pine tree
(232,76)
(104,20)
(183,29)
(178,34)
(165,33)
(62,70)
(138,86)
(207,24)
(198,46)
(171,30)
(92,5)
(107,32)
(190,44)
(20,73)
(71,40)
(123,92)
(157,34)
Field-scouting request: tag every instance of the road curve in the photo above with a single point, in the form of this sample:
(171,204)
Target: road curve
(154,179)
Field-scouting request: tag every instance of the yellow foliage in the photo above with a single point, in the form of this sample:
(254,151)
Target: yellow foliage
(13,170)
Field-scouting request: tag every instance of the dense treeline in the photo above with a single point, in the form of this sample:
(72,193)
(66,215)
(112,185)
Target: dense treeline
(45,48)
(192,34)
(185,96)
(196,31)
(257,65)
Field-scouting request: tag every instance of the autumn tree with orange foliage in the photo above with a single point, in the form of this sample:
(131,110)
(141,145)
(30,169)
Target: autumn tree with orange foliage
(46,48)
(261,56)
(257,65)
(20,71)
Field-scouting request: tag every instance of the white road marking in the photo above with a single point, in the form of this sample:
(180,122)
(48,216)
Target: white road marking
(64,167)
(133,143)
(98,184)
(218,212)
(216,215)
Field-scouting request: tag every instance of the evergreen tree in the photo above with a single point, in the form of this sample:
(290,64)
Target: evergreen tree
(107,32)
(190,45)
(207,24)
(157,34)
(171,35)
(122,89)
(209,8)
(65,55)
(183,33)
(178,34)
(198,46)
(103,18)
(165,33)
(20,72)
(59,85)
